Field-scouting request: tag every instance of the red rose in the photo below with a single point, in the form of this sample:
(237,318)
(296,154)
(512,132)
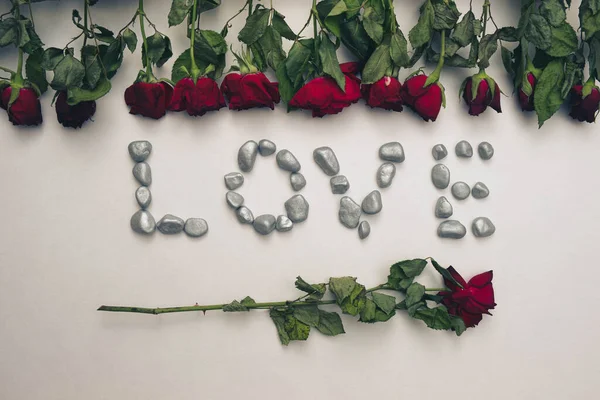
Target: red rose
(149,99)
(197,99)
(527,101)
(483,97)
(323,96)
(385,93)
(250,91)
(425,101)
(584,109)
(470,302)
(25,110)
(73,116)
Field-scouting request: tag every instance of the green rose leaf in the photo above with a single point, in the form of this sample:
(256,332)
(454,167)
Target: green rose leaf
(444,273)
(112,57)
(287,89)
(76,95)
(316,291)
(564,41)
(329,61)
(298,59)
(331,13)
(355,38)
(487,47)
(465,30)
(445,14)
(130,39)
(457,325)
(403,273)
(282,27)
(373,20)
(594,58)
(378,64)
(34,71)
(414,294)
(435,318)
(235,306)
(179,11)
(590,19)
(9,32)
(538,32)
(384,302)
(421,33)
(371,313)
(308,315)
(256,25)
(399,49)
(207,5)
(553,11)
(159,49)
(330,323)
(51,57)
(350,295)
(248,301)
(548,96)
(288,327)
(69,72)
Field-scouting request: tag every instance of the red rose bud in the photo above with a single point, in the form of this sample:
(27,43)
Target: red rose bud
(73,116)
(425,101)
(525,100)
(197,99)
(584,108)
(470,302)
(244,91)
(483,96)
(149,99)
(385,93)
(323,96)
(25,110)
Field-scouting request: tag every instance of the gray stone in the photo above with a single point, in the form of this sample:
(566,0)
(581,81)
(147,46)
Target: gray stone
(460,190)
(139,150)
(266,147)
(143,222)
(349,213)
(451,229)
(287,161)
(480,191)
(326,159)
(244,215)
(195,227)
(485,150)
(143,197)
(233,180)
(464,149)
(339,184)
(439,152)
(247,155)
(364,230)
(443,208)
(297,208)
(234,199)
(372,204)
(298,181)
(170,225)
(483,227)
(393,152)
(385,175)
(142,173)
(440,176)
(264,224)
(284,224)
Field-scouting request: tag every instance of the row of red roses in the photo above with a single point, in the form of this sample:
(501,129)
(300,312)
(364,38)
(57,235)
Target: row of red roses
(321,95)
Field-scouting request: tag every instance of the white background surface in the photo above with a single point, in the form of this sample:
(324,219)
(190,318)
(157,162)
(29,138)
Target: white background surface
(66,247)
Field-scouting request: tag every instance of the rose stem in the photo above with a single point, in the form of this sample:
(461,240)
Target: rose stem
(149,74)
(18,79)
(195,69)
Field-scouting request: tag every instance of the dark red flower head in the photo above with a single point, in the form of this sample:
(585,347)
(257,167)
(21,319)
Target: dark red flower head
(149,99)
(470,302)
(73,116)
(425,101)
(385,93)
(197,99)
(244,91)
(484,96)
(323,96)
(584,108)
(525,100)
(25,110)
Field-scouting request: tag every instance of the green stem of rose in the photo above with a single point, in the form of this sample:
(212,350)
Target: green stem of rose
(85,22)
(314,21)
(249,7)
(18,77)
(435,75)
(486,7)
(195,69)
(140,12)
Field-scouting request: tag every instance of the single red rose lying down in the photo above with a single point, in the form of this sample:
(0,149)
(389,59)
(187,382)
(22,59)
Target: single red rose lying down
(456,307)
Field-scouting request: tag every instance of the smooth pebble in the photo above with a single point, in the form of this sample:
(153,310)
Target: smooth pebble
(385,175)
(349,213)
(339,184)
(170,224)
(364,230)
(244,215)
(443,208)
(143,222)
(298,181)
(460,190)
(464,149)
(480,190)
(393,152)
(247,155)
(372,204)
(485,150)
(451,229)
(297,208)
(234,199)
(142,173)
(233,180)
(439,152)
(327,160)
(195,227)
(264,224)
(483,227)
(284,224)
(287,161)
(266,147)
(143,197)
(139,150)
(440,176)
